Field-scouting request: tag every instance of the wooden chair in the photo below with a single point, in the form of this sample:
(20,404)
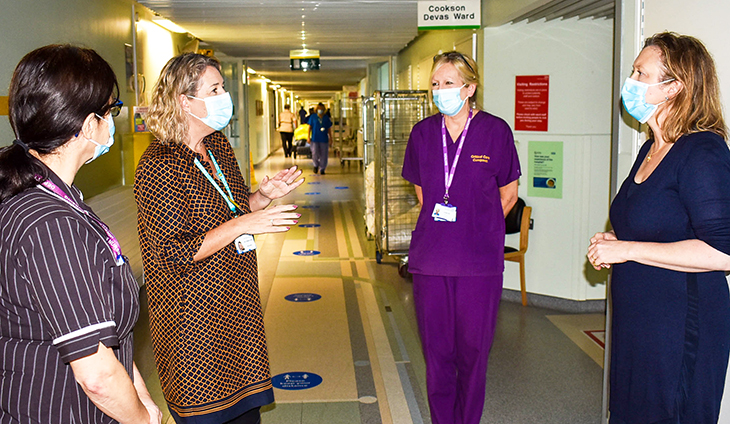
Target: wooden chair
(518,221)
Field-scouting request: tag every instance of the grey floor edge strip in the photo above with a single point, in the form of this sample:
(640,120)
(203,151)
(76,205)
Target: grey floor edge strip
(410,396)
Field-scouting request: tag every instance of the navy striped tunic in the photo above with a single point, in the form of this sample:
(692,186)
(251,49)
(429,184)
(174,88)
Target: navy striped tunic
(61,294)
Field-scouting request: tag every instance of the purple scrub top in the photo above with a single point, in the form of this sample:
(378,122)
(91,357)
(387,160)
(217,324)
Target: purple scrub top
(474,244)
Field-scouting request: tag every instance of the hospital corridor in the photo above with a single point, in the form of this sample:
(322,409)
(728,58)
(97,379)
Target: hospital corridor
(272,233)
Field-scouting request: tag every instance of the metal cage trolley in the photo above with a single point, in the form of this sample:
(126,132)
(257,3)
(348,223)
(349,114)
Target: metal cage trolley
(396,203)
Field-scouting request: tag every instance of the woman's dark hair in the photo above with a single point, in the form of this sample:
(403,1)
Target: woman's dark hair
(53,90)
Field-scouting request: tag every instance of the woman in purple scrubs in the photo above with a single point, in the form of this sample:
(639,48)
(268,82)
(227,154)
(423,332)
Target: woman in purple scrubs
(464,165)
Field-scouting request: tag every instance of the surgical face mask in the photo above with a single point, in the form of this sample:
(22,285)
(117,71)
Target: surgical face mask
(103,148)
(320,112)
(220,110)
(633,95)
(448,100)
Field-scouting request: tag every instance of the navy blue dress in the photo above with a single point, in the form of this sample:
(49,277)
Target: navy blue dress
(671,330)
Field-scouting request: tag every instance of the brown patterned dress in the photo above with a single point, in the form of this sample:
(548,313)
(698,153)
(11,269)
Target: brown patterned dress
(205,317)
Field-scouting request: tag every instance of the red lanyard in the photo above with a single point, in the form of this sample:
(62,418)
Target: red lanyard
(111,241)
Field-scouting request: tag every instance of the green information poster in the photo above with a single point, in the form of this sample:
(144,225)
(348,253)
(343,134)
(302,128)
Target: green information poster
(545,169)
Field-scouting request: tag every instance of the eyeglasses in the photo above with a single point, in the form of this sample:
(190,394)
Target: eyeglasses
(115,108)
(453,56)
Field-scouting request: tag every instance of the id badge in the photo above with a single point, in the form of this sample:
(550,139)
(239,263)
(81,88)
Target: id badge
(244,243)
(444,212)
(322,129)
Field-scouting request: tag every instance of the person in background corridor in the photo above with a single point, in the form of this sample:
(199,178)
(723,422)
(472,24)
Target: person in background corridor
(302,115)
(457,248)
(670,334)
(287,123)
(196,221)
(320,139)
(68,297)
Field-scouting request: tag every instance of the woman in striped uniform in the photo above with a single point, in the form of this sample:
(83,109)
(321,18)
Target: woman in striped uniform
(68,298)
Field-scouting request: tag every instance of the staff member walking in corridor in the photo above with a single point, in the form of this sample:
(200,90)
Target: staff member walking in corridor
(457,249)
(320,138)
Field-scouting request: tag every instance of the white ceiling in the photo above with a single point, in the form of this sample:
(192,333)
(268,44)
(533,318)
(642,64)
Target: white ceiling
(348,34)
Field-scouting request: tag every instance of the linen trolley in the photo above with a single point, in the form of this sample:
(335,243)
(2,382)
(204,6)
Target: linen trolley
(396,203)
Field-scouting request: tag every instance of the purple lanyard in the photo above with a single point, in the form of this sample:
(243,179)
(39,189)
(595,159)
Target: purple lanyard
(110,239)
(449,173)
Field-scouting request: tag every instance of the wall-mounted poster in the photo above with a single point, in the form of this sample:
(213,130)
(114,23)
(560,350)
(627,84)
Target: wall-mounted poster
(545,169)
(140,114)
(531,102)
(259,108)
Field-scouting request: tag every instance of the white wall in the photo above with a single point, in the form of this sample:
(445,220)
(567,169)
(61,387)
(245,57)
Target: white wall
(258,128)
(705,19)
(577,54)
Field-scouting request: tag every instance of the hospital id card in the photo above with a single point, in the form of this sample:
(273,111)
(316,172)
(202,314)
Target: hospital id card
(244,243)
(444,212)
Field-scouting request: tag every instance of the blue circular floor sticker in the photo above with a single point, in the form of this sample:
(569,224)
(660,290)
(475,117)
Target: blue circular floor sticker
(314,182)
(307,252)
(312,193)
(296,380)
(303,297)
(341,188)
(309,225)
(310,207)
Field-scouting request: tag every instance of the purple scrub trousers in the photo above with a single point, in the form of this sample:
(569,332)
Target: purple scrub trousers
(456,320)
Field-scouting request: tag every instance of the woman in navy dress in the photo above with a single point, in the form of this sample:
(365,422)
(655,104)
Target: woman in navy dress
(670,243)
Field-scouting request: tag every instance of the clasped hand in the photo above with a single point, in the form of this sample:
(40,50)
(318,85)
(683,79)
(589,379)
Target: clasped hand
(606,249)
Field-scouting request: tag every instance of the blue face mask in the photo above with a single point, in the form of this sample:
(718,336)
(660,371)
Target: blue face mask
(448,100)
(633,95)
(220,110)
(103,148)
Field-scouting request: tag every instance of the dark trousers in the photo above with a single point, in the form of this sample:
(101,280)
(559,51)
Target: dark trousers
(252,416)
(286,143)
(456,319)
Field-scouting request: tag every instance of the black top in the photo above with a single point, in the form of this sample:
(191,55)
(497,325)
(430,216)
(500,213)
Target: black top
(61,294)
(671,330)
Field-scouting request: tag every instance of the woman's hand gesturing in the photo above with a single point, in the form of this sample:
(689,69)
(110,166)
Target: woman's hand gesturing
(275,219)
(281,184)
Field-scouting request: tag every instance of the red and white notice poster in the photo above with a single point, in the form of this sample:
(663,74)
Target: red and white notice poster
(531,102)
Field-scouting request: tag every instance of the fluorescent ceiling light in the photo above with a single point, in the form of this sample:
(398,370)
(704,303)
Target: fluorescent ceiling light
(168,25)
(250,70)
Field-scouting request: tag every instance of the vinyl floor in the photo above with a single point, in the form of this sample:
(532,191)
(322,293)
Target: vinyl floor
(332,312)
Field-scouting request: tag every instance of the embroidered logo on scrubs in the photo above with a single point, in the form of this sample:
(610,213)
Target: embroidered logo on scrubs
(480,158)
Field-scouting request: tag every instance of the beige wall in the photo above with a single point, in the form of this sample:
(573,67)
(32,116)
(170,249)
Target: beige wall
(498,12)
(413,63)
(105,26)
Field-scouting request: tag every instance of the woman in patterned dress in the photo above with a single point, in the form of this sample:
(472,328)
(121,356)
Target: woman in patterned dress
(194,211)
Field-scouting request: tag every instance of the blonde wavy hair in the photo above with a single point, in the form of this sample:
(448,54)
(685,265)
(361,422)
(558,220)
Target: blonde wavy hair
(466,67)
(181,75)
(697,107)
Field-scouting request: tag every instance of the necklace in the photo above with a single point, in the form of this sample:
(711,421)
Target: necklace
(650,154)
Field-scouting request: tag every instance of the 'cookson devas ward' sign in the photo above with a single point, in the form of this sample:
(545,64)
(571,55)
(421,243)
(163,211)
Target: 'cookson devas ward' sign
(449,14)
